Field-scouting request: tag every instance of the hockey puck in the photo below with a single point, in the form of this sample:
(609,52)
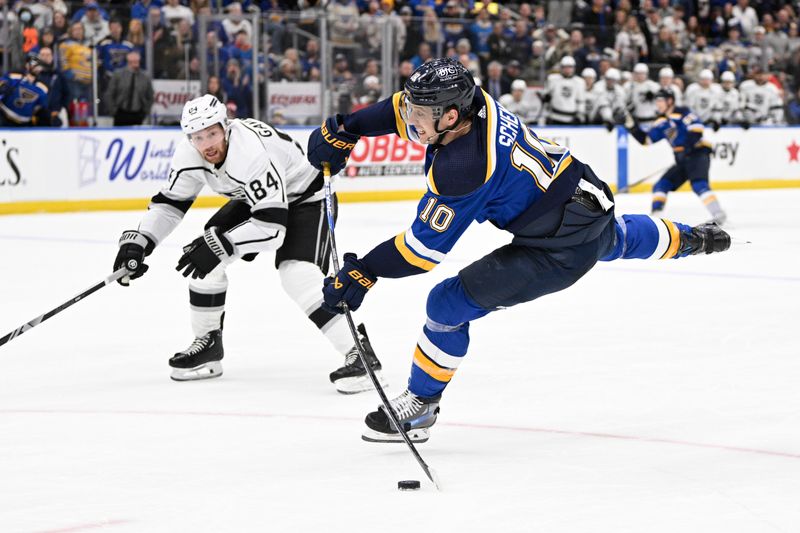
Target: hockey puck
(409,484)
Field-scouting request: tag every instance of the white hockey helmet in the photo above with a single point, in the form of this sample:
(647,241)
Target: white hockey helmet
(567,61)
(666,72)
(518,85)
(727,76)
(641,68)
(612,74)
(706,74)
(589,73)
(202,112)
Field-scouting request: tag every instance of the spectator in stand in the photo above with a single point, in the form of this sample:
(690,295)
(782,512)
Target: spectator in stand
(130,93)
(57,89)
(113,50)
(453,29)
(589,55)
(467,58)
(76,63)
(677,25)
(535,69)
(342,83)
(371,29)
(496,84)
(47,39)
(778,41)
(237,86)
(217,54)
(734,49)
(598,19)
(758,53)
(630,44)
(479,32)
(413,33)
(214,88)
(747,17)
(286,71)
(432,29)
(79,14)
(60,26)
(404,71)
(173,12)
(311,58)
(136,35)
(140,8)
(699,57)
(343,24)
(30,35)
(41,14)
(235,22)
(368,91)
(371,68)
(521,43)
(96,28)
(244,52)
(499,43)
(23,97)
(423,55)
(393,19)
(652,23)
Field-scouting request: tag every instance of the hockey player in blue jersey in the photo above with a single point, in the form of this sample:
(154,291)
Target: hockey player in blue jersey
(482,163)
(684,132)
(23,97)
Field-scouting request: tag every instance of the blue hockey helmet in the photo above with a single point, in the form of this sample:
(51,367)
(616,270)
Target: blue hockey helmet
(441,84)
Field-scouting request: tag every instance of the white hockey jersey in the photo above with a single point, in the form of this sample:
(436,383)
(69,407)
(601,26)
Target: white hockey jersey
(591,106)
(641,100)
(704,101)
(566,98)
(610,101)
(264,168)
(761,104)
(529,109)
(729,110)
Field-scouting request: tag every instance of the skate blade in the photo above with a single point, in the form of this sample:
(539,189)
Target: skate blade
(209,370)
(415,435)
(356,384)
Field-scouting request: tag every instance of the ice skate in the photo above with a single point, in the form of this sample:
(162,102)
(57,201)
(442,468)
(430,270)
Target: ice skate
(201,360)
(352,378)
(704,239)
(416,415)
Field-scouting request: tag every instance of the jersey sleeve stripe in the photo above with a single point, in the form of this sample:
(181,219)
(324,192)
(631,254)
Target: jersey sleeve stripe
(562,165)
(272,215)
(399,108)
(674,239)
(431,183)
(410,257)
(420,249)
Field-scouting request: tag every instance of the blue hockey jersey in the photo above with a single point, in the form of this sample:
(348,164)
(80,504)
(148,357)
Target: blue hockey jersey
(498,171)
(21,100)
(682,129)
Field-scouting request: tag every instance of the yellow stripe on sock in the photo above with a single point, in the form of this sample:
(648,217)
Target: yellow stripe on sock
(674,239)
(432,369)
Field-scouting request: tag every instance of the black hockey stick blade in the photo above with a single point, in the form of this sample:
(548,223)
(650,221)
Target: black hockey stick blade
(75,299)
(429,472)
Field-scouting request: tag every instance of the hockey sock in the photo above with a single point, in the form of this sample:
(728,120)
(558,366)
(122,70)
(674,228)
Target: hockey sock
(207,301)
(659,201)
(645,237)
(709,199)
(302,281)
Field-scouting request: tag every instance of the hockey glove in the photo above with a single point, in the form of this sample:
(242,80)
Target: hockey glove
(609,125)
(329,145)
(349,285)
(714,125)
(203,254)
(745,125)
(649,96)
(133,247)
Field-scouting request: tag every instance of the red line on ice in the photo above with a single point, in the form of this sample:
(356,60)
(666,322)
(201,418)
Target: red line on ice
(572,433)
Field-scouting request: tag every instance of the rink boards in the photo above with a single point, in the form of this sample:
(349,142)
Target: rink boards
(121,168)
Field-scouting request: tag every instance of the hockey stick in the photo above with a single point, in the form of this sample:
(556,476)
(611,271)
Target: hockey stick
(326,170)
(41,318)
(644,179)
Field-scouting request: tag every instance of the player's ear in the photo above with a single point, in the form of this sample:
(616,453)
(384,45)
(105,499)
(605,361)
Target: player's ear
(452,117)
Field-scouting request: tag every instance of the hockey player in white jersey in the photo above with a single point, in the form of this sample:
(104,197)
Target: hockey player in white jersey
(666,81)
(590,77)
(528,107)
(564,95)
(276,204)
(704,97)
(728,109)
(610,99)
(641,96)
(761,100)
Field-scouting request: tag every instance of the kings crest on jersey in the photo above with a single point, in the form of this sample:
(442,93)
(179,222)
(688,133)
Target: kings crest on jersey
(500,171)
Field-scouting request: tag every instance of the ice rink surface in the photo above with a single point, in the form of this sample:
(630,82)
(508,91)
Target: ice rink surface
(650,397)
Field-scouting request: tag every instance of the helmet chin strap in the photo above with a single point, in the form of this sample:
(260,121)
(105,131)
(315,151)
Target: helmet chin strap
(440,133)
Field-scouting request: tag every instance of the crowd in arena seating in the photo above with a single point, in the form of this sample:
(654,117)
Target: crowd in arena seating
(516,51)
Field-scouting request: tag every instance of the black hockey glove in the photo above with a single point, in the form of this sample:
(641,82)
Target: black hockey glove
(133,247)
(329,145)
(349,285)
(203,254)
(609,125)
(714,125)
(744,125)
(546,97)
(649,96)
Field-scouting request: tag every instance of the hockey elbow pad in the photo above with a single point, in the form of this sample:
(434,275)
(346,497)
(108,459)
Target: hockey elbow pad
(329,145)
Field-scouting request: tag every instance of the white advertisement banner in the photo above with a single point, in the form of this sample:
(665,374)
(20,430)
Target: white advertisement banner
(170,95)
(295,100)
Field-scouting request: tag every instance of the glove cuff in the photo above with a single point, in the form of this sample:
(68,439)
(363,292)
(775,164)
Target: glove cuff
(219,245)
(134,237)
